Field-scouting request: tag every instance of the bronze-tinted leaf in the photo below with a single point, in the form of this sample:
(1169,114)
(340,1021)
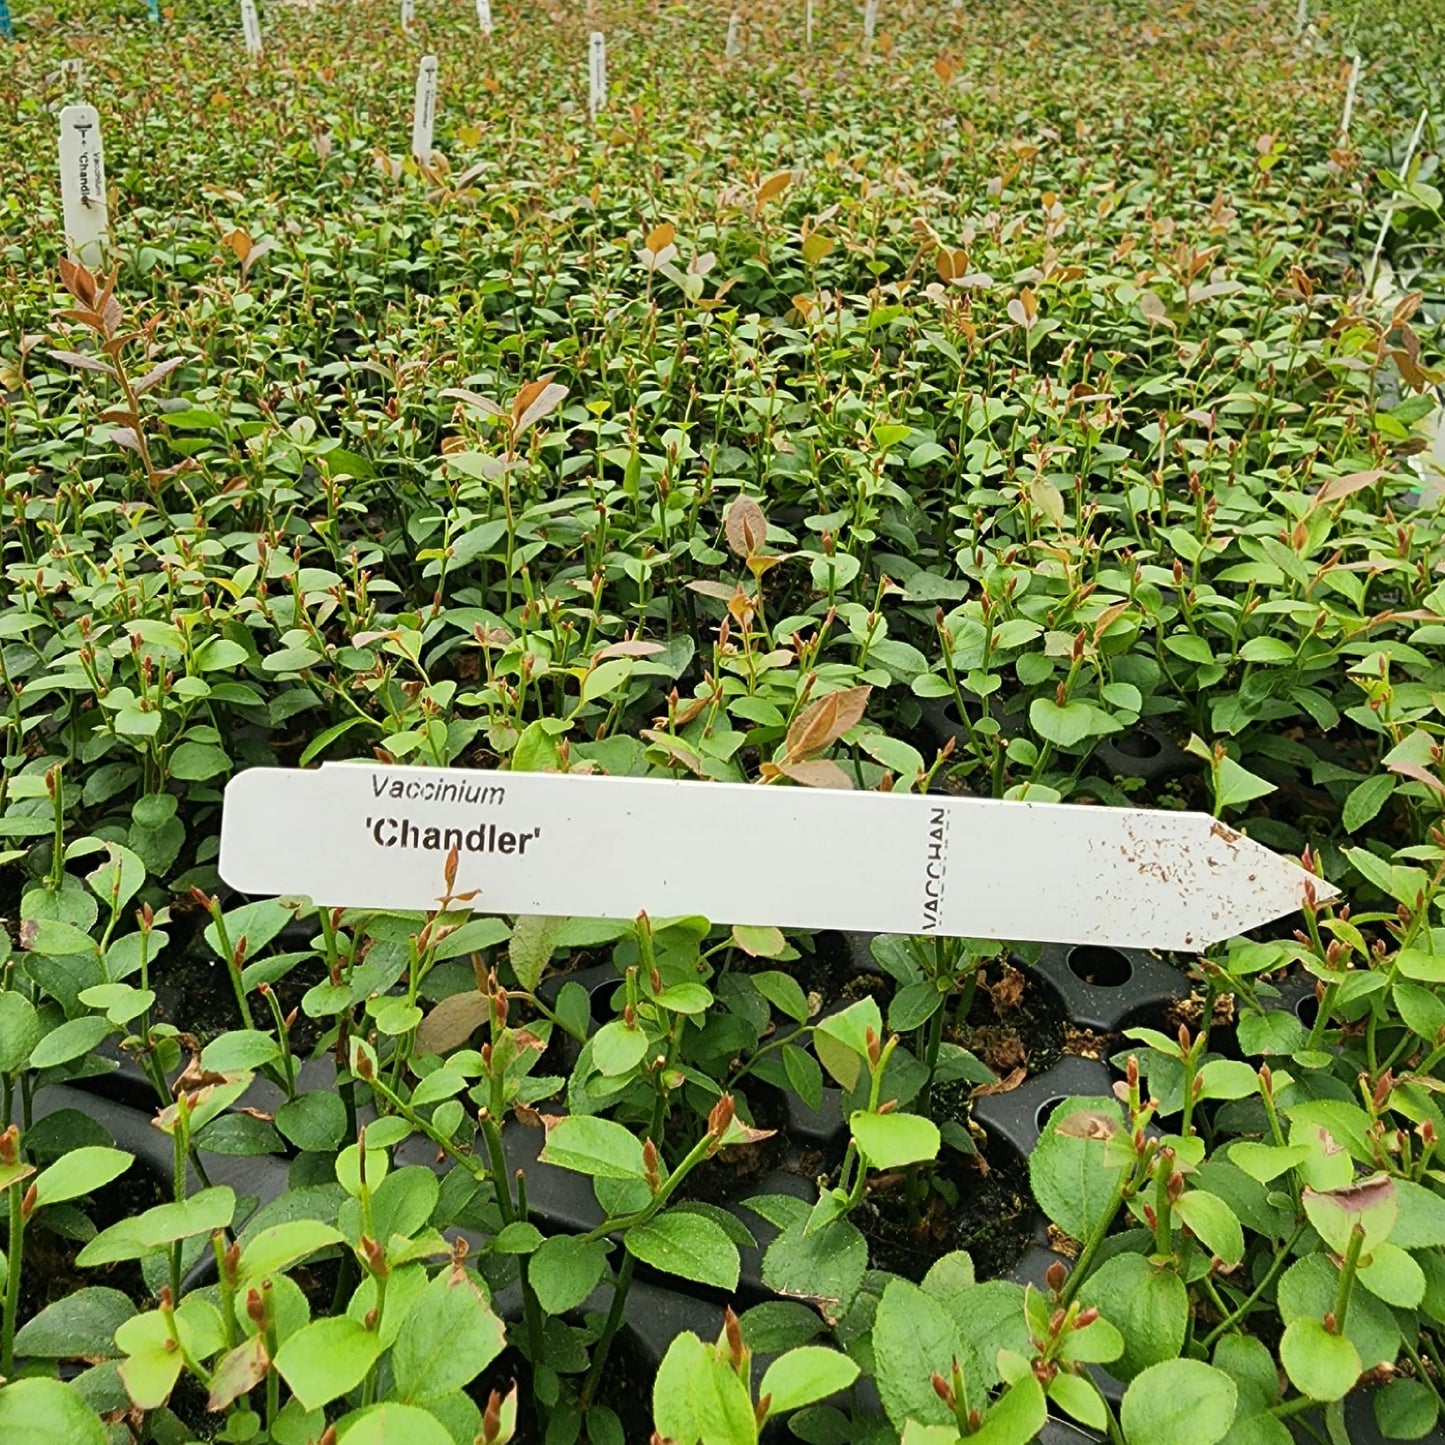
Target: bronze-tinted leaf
(451,1023)
(81,363)
(536,400)
(241,1370)
(747,527)
(819,773)
(823,722)
(158,373)
(774,186)
(1346,486)
(78,280)
(1088,1124)
(1418,773)
(660,237)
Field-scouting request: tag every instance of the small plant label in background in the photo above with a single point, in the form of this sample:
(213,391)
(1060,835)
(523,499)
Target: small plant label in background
(424,109)
(251,27)
(733,44)
(597,74)
(408,14)
(347,835)
(808,23)
(870,22)
(484,16)
(1350,91)
(82,185)
(72,74)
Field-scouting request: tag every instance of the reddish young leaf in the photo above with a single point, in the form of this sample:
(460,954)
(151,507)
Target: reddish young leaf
(823,722)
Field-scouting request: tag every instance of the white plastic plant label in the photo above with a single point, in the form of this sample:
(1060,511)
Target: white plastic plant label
(870,21)
(368,836)
(484,16)
(251,27)
(424,109)
(82,185)
(734,45)
(596,74)
(408,14)
(808,23)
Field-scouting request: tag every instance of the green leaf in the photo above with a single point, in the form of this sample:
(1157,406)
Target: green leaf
(1213,1222)
(565,1270)
(1366,800)
(119,878)
(19,1031)
(760,942)
(1421,1222)
(82,1171)
(618,1048)
(1079,1397)
(804,1075)
(812,1372)
(720,1404)
(1149,1306)
(315,1120)
(783,992)
(890,1141)
(1319,1364)
(150,1375)
(1228,1079)
(327,1358)
(1065,726)
(1309,1288)
(239,1049)
(45,1412)
(914,1336)
(1073,1179)
(778,1325)
(841,1040)
(1405,1410)
(71,1040)
(195,762)
(518,1237)
(1017,1416)
(826,1265)
(1178,1400)
(451,1336)
(134,1238)
(530,950)
(595,1146)
(217,653)
(1393,1276)
(690,1245)
(1234,785)
(392,1423)
(672,1410)
(277,1248)
(78,1326)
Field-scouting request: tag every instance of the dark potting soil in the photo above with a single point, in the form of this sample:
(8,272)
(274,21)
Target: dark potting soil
(625,1389)
(980,1204)
(1013,1023)
(733,1173)
(194,993)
